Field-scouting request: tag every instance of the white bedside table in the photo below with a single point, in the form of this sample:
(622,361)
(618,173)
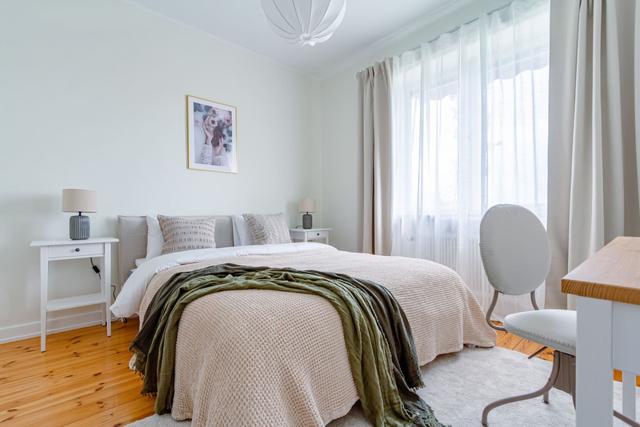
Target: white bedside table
(310,234)
(57,250)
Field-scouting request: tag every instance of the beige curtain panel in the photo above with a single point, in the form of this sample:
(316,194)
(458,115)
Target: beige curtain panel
(374,137)
(593,191)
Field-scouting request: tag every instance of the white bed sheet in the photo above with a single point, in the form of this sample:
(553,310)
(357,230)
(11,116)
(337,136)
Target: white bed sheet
(128,301)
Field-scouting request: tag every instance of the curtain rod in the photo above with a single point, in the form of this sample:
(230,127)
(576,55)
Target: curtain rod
(456,28)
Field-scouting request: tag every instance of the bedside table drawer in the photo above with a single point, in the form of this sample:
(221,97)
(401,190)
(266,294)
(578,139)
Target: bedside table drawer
(310,234)
(73,251)
(317,235)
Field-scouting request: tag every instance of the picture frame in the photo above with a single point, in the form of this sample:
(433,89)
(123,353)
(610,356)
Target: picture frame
(211,135)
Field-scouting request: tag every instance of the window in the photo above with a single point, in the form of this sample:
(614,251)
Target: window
(470,131)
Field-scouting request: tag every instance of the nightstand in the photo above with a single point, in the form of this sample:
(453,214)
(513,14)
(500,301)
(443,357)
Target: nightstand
(310,234)
(58,250)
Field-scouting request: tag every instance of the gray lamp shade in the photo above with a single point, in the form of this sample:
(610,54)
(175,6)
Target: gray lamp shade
(75,200)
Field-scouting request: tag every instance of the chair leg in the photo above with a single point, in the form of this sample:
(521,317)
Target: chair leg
(544,391)
(537,352)
(545,396)
(626,419)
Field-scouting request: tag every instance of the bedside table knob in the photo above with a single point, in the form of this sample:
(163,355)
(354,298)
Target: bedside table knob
(77,249)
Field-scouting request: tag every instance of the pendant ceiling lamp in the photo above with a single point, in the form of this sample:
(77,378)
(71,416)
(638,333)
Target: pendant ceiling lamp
(305,22)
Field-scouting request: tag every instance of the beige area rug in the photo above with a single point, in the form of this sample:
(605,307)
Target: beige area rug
(459,385)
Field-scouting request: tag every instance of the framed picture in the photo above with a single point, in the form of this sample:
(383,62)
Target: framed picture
(211,135)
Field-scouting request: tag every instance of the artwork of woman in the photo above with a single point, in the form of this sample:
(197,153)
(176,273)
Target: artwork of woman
(211,137)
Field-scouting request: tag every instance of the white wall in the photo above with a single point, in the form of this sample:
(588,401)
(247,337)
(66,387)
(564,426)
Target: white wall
(92,95)
(340,174)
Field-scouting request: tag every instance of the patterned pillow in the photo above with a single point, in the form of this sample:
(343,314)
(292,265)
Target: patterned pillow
(268,229)
(183,233)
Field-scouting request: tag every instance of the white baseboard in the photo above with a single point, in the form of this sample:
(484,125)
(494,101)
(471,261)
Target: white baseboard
(55,323)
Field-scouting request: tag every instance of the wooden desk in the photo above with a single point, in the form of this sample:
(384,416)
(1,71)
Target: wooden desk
(607,287)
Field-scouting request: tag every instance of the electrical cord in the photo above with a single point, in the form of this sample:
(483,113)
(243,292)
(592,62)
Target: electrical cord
(95,268)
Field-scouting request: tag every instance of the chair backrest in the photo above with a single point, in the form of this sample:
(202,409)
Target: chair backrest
(514,248)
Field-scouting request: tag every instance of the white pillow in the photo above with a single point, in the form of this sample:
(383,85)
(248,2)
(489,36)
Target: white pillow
(155,240)
(241,232)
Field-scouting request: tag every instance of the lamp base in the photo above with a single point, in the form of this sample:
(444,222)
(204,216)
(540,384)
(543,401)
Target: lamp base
(307,221)
(79,227)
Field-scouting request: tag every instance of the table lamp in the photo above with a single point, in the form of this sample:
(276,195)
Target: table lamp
(74,200)
(307,206)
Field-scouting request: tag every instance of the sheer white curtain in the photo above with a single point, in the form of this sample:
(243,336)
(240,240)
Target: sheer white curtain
(469,113)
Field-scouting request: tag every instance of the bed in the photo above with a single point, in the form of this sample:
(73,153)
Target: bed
(258,357)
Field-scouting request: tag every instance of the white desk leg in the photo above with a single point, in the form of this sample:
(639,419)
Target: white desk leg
(44,285)
(594,370)
(106,277)
(629,394)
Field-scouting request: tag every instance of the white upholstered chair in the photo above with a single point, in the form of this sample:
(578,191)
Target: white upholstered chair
(516,258)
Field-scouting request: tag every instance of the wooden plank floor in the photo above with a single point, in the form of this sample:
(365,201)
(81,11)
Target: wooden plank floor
(83,378)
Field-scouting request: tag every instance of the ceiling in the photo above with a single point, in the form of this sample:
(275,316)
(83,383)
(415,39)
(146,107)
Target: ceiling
(242,22)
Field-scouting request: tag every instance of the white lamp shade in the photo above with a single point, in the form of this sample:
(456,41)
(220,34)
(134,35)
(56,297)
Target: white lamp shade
(305,22)
(307,205)
(75,200)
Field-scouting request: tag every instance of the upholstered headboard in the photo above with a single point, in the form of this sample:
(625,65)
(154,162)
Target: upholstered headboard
(132,232)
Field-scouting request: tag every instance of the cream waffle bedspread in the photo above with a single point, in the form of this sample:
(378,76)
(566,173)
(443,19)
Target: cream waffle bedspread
(269,358)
